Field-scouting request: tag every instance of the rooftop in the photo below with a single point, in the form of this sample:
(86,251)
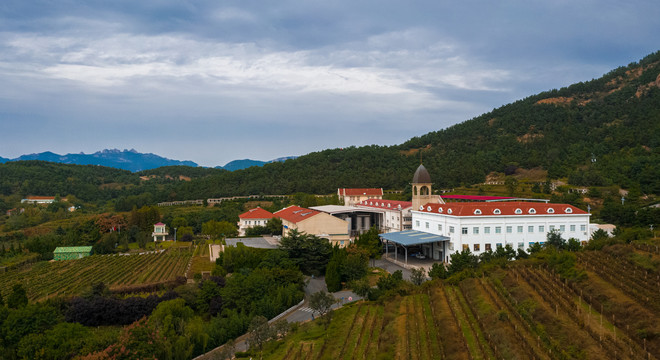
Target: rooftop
(385,204)
(257,213)
(295,213)
(502,208)
(361,192)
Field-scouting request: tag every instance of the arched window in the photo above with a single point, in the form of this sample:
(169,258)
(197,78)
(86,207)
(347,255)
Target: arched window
(497,211)
(440,210)
(424,190)
(477,212)
(568,210)
(551,211)
(518,211)
(428,208)
(415,190)
(421,207)
(532,211)
(449,211)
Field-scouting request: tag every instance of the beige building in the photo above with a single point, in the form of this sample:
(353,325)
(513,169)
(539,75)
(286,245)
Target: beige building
(160,232)
(315,223)
(351,197)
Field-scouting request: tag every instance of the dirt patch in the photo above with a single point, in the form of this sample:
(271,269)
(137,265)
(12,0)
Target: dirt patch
(410,152)
(528,138)
(560,100)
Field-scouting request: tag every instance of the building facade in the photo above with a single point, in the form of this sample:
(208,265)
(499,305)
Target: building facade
(351,197)
(314,223)
(395,215)
(253,217)
(482,227)
(160,232)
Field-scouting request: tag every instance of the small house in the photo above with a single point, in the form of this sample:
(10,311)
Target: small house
(71,252)
(160,232)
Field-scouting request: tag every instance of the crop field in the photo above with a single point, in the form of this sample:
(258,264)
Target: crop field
(69,278)
(526,311)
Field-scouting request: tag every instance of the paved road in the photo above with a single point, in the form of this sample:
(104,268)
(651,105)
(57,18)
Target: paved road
(305,313)
(391,267)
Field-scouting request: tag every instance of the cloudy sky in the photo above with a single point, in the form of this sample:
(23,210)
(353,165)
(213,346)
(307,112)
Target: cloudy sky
(214,81)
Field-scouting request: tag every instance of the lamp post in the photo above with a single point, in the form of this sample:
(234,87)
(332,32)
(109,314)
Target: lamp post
(174,234)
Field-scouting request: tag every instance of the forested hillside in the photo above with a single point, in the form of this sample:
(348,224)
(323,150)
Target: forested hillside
(601,132)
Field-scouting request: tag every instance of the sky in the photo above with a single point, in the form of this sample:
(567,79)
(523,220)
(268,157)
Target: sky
(214,81)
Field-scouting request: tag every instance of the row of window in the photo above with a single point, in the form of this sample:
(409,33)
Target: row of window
(255,222)
(509,229)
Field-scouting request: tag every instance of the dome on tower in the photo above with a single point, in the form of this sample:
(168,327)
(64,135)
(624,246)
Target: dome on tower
(421,176)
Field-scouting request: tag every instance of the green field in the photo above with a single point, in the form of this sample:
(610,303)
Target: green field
(69,278)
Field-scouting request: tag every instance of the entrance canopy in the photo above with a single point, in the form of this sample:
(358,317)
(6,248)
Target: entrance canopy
(412,237)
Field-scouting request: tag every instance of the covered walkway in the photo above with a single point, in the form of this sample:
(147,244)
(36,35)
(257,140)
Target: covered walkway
(431,242)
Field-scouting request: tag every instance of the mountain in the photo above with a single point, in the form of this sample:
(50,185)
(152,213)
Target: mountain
(600,132)
(242,164)
(127,159)
(3,160)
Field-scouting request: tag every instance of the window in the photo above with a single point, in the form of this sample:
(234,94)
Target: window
(427,224)
(583,227)
(562,228)
(518,211)
(451,246)
(551,211)
(497,211)
(439,227)
(530,228)
(520,229)
(532,211)
(477,212)
(541,228)
(487,230)
(449,211)
(552,227)
(451,229)
(475,230)
(476,247)
(531,243)
(572,228)
(521,245)
(341,243)
(499,245)
(487,247)
(509,229)
(568,210)
(498,229)
(466,247)
(464,231)
(440,210)
(417,223)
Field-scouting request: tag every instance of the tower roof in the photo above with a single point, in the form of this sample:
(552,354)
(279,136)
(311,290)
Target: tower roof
(421,176)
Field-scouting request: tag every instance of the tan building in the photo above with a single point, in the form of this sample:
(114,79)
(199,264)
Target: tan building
(351,197)
(253,217)
(395,215)
(315,223)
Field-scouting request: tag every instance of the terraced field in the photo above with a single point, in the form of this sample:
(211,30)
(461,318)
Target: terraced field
(69,278)
(524,312)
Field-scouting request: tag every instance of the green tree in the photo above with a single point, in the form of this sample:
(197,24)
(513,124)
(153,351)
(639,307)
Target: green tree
(18,297)
(417,275)
(333,275)
(259,333)
(511,184)
(370,242)
(438,271)
(311,253)
(553,238)
(216,229)
(321,302)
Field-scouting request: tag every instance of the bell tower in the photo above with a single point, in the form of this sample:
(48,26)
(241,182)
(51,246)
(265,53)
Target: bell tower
(421,188)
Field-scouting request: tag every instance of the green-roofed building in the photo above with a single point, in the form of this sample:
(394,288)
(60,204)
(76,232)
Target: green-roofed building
(71,252)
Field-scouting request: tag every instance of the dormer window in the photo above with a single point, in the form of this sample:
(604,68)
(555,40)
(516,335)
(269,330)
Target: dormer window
(532,211)
(497,211)
(449,211)
(428,208)
(477,212)
(568,211)
(389,205)
(551,211)
(518,211)
(421,207)
(440,210)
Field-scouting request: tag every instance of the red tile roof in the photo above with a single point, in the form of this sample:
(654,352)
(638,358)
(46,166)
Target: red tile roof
(361,192)
(475,197)
(159,224)
(40,197)
(257,213)
(295,213)
(505,208)
(385,204)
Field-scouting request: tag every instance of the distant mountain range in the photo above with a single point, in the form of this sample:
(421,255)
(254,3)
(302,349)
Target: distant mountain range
(131,160)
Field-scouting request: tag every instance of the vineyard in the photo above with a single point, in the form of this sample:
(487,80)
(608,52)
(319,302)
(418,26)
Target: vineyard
(44,280)
(526,311)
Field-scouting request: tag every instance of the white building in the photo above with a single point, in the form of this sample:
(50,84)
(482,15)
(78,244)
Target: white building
(254,217)
(395,215)
(483,226)
(441,229)
(160,232)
